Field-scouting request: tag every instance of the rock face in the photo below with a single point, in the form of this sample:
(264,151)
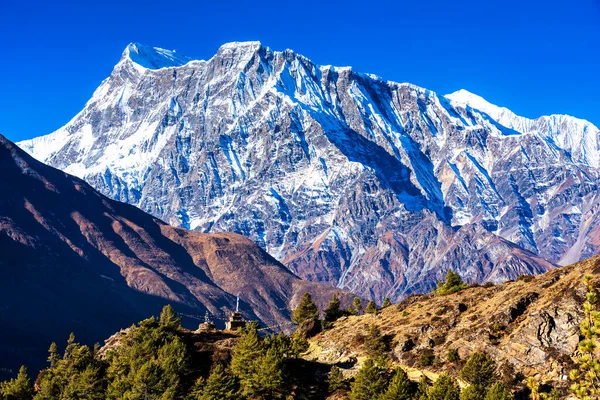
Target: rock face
(372,186)
(530,327)
(73,260)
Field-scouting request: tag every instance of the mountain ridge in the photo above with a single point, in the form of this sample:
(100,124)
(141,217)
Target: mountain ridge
(346,178)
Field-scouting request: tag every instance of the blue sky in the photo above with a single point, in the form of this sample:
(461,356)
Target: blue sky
(535,57)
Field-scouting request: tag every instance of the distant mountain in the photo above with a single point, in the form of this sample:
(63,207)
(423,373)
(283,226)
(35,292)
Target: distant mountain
(373,186)
(72,260)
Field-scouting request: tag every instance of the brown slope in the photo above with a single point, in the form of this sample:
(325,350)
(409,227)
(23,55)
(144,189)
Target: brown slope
(73,260)
(529,326)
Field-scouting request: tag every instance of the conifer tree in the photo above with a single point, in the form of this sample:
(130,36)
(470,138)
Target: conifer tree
(299,344)
(400,387)
(444,388)
(472,392)
(18,388)
(357,305)
(306,309)
(374,343)
(169,318)
(497,391)
(371,308)
(248,349)
(370,381)
(335,380)
(452,284)
(221,384)
(351,310)
(333,310)
(386,302)
(422,388)
(266,379)
(586,376)
(53,354)
(480,370)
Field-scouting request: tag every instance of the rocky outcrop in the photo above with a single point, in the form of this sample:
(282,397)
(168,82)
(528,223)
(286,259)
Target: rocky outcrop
(530,327)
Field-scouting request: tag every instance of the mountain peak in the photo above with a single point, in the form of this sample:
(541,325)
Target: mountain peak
(154,57)
(463,98)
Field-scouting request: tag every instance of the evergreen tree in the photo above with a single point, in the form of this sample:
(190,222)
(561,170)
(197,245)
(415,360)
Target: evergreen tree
(266,379)
(452,355)
(221,384)
(169,318)
(371,308)
(306,309)
(53,354)
(351,311)
(299,344)
(422,388)
(335,380)
(444,388)
(386,302)
(480,370)
(472,392)
(248,349)
(452,284)
(357,305)
(497,391)
(400,387)
(374,343)
(370,381)
(333,310)
(586,376)
(18,388)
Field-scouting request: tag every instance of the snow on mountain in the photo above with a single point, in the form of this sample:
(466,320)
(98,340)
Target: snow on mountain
(377,187)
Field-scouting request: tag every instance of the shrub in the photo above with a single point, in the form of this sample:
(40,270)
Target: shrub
(453,355)
(426,358)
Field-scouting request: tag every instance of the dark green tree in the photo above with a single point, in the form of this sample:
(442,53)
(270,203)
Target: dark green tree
(472,392)
(371,308)
(399,388)
(357,305)
(452,284)
(169,318)
(452,355)
(306,309)
(444,388)
(333,310)
(374,343)
(370,382)
(386,302)
(497,391)
(480,370)
(18,388)
(248,349)
(335,380)
(221,384)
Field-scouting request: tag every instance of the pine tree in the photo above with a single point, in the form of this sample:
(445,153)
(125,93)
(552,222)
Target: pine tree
(335,380)
(357,305)
(400,387)
(452,284)
(53,354)
(374,343)
(480,370)
(266,379)
(169,318)
(248,349)
(422,388)
(444,388)
(497,391)
(221,384)
(299,344)
(351,311)
(371,308)
(370,381)
(333,310)
(386,302)
(306,309)
(586,377)
(452,355)
(18,388)
(472,392)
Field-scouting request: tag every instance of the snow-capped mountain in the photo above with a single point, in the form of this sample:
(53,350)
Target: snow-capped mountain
(374,186)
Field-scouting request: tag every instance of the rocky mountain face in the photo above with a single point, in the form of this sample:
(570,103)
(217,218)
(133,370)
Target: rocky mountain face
(373,186)
(73,260)
(529,327)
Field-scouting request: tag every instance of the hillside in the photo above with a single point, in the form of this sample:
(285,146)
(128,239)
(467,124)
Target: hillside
(73,260)
(530,327)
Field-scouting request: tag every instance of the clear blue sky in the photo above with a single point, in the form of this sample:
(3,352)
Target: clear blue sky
(535,57)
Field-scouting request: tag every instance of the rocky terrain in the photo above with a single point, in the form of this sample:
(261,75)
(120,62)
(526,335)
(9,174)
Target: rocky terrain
(373,186)
(529,326)
(73,260)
